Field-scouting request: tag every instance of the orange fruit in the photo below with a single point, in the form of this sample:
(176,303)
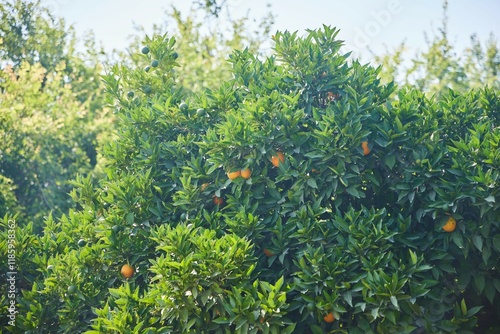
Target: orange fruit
(277,159)
(127,271)
(246,173)
(366,149)
(450,225)
(329,318)
(234,175)
(218,200)
(268,252)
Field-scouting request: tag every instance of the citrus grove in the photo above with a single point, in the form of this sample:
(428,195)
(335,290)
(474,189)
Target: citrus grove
(302,196)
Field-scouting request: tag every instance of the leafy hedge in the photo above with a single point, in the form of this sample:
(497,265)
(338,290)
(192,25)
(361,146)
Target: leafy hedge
(348,225)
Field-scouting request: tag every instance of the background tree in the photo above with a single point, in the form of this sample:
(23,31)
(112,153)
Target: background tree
(52,109)
(203,43)
(441,66)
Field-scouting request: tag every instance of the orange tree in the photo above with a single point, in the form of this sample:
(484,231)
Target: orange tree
(336,229)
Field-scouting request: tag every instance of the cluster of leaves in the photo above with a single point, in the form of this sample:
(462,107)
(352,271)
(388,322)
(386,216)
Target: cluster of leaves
(334,228)
(51,115)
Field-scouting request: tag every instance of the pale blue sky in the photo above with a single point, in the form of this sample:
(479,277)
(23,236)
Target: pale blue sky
(362,22)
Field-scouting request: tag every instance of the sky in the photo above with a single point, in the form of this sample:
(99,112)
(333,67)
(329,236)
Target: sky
(364,25)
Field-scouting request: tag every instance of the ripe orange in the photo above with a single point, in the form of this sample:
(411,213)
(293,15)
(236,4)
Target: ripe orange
(218,200)
(246,173)
(450,225)
(268,252)
(234,175)
(329,317)
(366,149)
(277,159)
(127,271)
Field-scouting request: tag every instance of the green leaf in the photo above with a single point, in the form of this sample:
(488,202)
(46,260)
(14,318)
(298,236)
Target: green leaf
(394,302)
(315,155)
(486,253)
(311,182)
(316,329)
(289,329)
(204,297)
(390,161)
(496,283)
(479,281)
(473,311)
(463,307)
(240,323)
(391,316)
(130,218)
(411,196)
(445,266)
(478,242)
(188,325)
(455,172)
(423,267)
(382,142)
(413,257)
(448,326)
(348,297)
(374,312)
(496,242)
(354,192)
(489,291)
(457,239)
(399,124)
(490,199)
(221,321)
(159,107)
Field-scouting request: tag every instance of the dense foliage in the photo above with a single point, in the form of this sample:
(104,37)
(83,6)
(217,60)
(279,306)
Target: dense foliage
(338,227)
